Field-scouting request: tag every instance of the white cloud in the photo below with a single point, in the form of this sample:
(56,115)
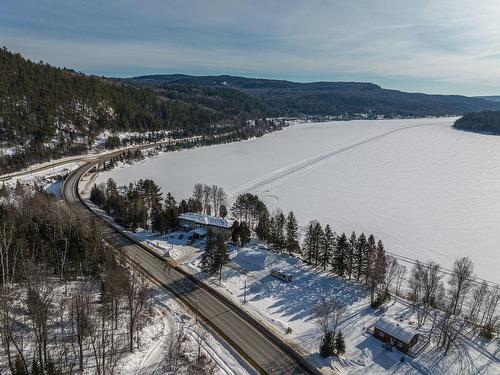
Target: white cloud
(451,42)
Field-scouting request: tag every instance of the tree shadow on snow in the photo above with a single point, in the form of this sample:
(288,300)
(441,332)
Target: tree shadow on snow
(296,299)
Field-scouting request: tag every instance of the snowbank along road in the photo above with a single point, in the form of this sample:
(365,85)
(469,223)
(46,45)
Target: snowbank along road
(260,347)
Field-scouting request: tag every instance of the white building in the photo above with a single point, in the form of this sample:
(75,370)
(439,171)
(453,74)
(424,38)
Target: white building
(217,225)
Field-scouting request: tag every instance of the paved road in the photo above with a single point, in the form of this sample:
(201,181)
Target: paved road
(87,158)
(261,348)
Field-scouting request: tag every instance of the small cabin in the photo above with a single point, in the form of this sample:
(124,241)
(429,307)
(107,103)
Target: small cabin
(281,275)
(395,334)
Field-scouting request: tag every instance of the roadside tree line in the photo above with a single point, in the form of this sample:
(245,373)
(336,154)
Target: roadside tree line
(67,301)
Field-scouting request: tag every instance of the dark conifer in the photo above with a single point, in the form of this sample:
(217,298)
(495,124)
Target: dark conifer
(328,245)
(339,343)
(292,234)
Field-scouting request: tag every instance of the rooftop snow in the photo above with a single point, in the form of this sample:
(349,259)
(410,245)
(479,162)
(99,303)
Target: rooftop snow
(205,220)
(395,329)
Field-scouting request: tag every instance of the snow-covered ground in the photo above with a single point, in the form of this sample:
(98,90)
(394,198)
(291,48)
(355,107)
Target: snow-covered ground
(429,192)
(51,179)
(281,305)
(169,318)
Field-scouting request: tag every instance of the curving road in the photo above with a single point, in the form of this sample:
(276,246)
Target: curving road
(259,346)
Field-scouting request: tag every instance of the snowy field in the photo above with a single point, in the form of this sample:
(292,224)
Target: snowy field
(429,192)
(283,306)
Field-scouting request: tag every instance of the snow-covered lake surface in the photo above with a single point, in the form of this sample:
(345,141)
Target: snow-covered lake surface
(428,191)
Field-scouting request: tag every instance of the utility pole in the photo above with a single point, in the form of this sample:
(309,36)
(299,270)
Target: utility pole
(245,293)
(199,343)
(220,274)
(196,310)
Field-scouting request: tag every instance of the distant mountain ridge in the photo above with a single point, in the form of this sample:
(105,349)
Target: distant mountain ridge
(327,98)
(493,98)
(48,112)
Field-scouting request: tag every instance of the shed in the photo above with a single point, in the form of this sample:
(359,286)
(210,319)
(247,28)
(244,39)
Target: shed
(281,275)
(395,333)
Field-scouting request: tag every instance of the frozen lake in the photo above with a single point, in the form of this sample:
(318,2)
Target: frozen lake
(428,191)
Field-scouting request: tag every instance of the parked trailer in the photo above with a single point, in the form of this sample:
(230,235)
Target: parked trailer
(282,276)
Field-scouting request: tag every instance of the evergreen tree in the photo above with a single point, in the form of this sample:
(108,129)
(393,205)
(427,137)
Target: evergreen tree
(221,257)
(327,246)
(151,193)
(159,221)
(208,259)
(371,247)
(4,192)
(339,343)
(244,234)
(379,270)
(351,254)
(327,346)
(263,227)
(183,207)
(272,230)
(339,259)
(279,232)
(112,197)
(97,196)
(360,256)
(223,211)
(292,234)
(170,201)
(317,236)
(235,232)
(19,189)
(308,245)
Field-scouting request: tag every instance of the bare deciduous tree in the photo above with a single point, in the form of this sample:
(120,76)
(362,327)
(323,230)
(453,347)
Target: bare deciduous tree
(198,193)
(461,282)
(400,277)
(328,314)
(173,352)
(391,271)
(478,299)
(207,193)
(137,297)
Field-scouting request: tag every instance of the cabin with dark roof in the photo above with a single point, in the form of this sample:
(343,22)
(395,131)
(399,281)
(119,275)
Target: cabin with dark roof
(395,334)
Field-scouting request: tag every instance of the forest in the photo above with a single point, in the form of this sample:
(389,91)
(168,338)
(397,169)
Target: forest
(487,122)
(286,98)
(48,112)
(68,301)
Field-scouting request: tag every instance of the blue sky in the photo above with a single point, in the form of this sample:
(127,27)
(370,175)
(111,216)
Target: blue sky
(438,46)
